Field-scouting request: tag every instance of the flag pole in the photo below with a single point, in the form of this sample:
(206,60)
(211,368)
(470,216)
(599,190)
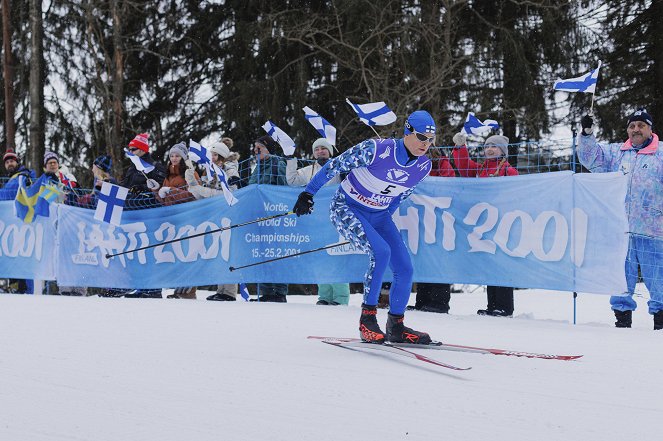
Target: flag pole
(374,131)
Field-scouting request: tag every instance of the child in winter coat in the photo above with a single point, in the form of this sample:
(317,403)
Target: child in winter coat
(496,150)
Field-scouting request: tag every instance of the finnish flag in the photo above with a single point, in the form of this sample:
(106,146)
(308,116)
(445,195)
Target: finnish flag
(244,291)
(140,165)
(111,203)
(323,127)
(198,153)
(278,135)
(474,126)
(373,114)
(223,180)
(585,83)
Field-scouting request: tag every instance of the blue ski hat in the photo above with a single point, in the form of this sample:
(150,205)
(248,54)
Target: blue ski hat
(421,121)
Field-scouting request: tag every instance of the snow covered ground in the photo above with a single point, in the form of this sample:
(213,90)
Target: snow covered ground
(147,369)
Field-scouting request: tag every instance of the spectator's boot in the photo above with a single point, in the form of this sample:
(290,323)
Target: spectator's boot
(495,312)
(623,319)
(220,297)
(369,330)
(397,332)
(658,320)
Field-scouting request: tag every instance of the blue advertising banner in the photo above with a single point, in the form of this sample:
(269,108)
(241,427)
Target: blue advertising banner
(558,230)
(27,250)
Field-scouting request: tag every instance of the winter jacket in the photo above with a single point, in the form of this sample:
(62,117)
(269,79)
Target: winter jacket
(178,187)
(442,167)
(8,192)
(644,197)
(135,180)
(270,170)
(468,168)
(301,177)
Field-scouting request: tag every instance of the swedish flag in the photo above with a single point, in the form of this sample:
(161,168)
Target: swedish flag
(34,200)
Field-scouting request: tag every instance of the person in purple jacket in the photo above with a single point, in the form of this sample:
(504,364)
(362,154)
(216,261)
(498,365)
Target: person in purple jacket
(382,173)
(641,159)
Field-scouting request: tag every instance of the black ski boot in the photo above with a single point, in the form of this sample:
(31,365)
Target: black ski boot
(397,332)
(623,319)
(369,330)
(658,320)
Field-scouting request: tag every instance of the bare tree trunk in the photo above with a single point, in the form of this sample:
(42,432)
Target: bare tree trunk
(37,130)
(117,85)
(8,71)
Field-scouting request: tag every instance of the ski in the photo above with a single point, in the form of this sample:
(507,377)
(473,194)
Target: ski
(459,348)
(387,347)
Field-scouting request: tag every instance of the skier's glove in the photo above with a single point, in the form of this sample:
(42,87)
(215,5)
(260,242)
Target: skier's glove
(587,123)
(460,139)
(304,204)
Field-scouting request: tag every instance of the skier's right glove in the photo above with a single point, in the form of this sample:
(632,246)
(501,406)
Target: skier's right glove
(304,204)
(587,123)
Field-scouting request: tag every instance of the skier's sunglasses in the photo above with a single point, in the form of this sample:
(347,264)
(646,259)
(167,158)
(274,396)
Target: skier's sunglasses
(423,138)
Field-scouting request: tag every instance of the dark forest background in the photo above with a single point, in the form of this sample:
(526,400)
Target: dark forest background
(83,77)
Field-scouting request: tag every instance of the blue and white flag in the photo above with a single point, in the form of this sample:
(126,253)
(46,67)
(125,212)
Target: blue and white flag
(140,165)
(199,153)
(474,126)
(223,180)
(278,135)
(244,291)
(111,203)
(323,127)
(585,83)
(373,114)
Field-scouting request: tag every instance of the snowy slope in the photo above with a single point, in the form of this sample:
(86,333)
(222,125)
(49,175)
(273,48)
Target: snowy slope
(148,369)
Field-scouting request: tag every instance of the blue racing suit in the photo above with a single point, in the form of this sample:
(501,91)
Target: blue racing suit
(381,175)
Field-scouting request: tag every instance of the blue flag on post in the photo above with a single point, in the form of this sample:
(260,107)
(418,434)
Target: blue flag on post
(140,165)
(35,200)
(244,291)
(323,127)
(474,126)
(373,114)
(278,135)
(111,203)
(584,83)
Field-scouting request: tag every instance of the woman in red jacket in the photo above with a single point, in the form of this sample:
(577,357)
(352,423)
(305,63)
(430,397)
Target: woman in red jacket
(496,150)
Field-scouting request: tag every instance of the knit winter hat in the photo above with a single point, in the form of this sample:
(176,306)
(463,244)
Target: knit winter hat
(272,146)
(104,162)
(180,150)
(421,122)
(140,142)
(641,115)
(51,155)
(499,141)
(221,149)
(10,155)
(322,142)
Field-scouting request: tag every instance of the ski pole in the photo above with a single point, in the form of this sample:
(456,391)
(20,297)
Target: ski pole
(108,256)
(232,268)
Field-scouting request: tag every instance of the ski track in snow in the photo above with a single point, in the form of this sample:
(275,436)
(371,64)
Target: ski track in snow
(148,369)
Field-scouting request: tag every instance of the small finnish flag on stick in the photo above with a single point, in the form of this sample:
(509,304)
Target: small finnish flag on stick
(474,126)
(323,127)
(141,165)
(278,135)
(584,83)
(111,203)
(373,114)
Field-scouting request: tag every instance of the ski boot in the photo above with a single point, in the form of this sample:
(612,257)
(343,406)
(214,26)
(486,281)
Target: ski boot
(397,332)
(369,330)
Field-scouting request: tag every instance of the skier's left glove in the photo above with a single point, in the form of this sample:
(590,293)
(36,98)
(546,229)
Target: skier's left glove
(304,204)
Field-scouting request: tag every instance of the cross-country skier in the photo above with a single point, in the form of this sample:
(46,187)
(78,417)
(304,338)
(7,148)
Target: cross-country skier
(382,174)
